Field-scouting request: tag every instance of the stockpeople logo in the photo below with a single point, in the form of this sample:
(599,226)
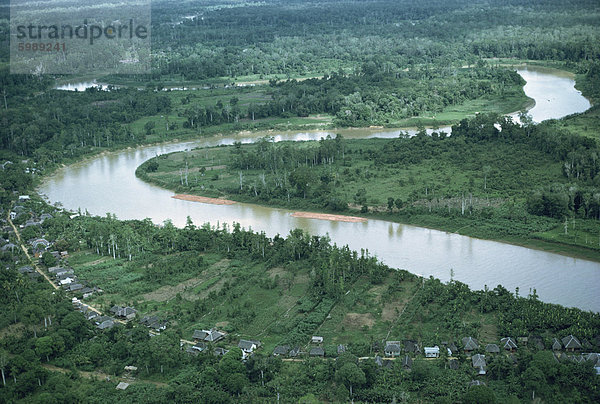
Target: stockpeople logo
(83,31)
(80,37)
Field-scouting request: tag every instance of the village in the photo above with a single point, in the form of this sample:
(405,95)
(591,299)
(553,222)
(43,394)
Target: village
(398,354)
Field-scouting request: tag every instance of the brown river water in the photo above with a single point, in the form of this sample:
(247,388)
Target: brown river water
(108,183)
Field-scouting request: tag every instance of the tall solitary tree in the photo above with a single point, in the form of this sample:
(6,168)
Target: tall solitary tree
(351,375)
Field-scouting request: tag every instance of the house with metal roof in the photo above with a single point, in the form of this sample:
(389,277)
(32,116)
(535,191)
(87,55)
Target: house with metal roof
(508,344)
(478,361)
(469,344)
(199,335)
(571,343)
(492,348)
(392,348)
(556,345)
(248,346)
(214,336)
(432,352)
(407,363)
(281,350)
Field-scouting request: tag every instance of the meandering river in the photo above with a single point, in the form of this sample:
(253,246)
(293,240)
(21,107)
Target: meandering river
(108,184)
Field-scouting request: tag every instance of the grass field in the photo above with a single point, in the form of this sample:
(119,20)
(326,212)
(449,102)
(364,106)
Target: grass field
(225,292)
(246,96)
(587,124)
(441,176)
(431,189)
(516,101)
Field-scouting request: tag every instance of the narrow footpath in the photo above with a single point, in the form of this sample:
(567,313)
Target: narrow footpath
(24,248)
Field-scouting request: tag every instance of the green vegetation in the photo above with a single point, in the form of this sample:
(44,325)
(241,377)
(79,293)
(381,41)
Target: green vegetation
(305,286)
(301,64)
(410,64)
(84,123)
(586,124)
(320,37)
(516,184)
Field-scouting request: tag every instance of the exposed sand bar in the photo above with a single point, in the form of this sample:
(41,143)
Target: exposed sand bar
(326,216)
(203,199)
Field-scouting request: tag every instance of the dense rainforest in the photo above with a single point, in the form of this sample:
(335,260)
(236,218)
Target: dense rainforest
(224,66)
(399,61)
(297,37)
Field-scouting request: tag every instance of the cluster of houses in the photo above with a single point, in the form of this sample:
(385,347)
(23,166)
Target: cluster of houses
(395,348)
(470,345)
(38,245)
(286,350)
(154,323)
(569,343)
(29,169)
(29,271)
(315,350)
(41,245)
(509,345)
(20,211)
(123,312)
(577,349)
(30,218)
(569,348)
(119,314)
(6,245)
(68,281)
(203,340)
(403,351)
(101,322)
(64,276)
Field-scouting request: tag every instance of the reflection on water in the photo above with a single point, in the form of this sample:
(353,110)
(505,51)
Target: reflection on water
(108,184)
(554,94)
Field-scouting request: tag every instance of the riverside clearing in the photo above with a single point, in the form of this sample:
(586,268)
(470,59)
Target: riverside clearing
(203,199)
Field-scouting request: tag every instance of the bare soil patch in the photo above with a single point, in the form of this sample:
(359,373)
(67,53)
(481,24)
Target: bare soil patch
(203,199)
(224,263)
(392,309)
(96,262)
(327,216)
(377,291)
(357,320)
